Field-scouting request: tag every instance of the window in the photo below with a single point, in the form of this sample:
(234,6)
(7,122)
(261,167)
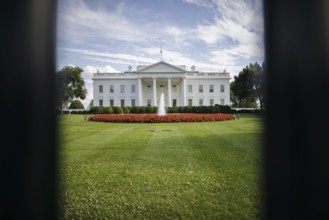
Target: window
(200,102)
(111,102)
(133,88)
(122,88)
(222,88)
(111,88)
(190,102)
(133,102)
(212,102)
(211,88)
(149,88)
(122,103)
(100,88)
(222,101)
(174,88)
(149,102)
(161,89)
(100,102)
(201,88)
(189,88)
(174,102)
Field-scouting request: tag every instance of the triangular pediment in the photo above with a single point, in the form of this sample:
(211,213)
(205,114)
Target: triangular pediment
(161,67)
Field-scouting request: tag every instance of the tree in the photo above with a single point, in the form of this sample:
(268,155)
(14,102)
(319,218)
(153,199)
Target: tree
(70,86)
(247,87)
(76,104)
(259,84)
(242,94)
(91,104)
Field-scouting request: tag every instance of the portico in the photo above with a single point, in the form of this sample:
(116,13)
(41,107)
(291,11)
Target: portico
(171,87)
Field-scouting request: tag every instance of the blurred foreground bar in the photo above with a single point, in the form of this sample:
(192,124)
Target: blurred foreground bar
(296,148)
(28,136)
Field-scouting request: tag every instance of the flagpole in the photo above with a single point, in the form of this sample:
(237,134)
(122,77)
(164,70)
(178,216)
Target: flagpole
(161,51)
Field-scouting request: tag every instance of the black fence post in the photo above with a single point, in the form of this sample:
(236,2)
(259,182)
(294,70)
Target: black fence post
(296,147)
(28,138)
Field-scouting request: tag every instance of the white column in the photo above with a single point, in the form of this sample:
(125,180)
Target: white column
(154,92)
(184,91)
(169,92)
(140,88)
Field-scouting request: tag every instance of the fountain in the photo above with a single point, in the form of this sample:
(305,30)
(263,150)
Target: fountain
(161,108)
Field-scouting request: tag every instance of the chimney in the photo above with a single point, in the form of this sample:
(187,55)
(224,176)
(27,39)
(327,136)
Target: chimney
(129,68)
(193,68)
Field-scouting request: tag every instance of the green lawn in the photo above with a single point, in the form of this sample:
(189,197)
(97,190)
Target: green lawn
(207,170)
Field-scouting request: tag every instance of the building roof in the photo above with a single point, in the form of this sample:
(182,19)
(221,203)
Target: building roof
(180,68)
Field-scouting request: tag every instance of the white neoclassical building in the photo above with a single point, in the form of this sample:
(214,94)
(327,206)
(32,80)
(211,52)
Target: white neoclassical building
(143,87)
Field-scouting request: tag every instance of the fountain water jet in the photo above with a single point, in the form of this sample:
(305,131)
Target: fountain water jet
(161,108)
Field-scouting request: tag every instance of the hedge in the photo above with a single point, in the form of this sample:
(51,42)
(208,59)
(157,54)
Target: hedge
(153,109)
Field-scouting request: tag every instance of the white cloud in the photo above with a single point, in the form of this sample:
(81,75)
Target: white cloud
(204,3)
(106,60)
(128,57)
(78,22)
(174,31)
(246,13)
(237,32)
(103,69)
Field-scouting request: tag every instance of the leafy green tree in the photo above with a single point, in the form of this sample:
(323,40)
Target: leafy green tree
(242,93)
(76,104)
(70,86)
(258,81)
(91,104)
(247,87)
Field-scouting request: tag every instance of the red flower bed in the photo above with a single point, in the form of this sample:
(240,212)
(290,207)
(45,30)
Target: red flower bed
(153,118)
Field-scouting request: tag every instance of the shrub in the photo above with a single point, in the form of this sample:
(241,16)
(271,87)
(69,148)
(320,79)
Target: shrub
(110,110)
(119,110)
(96,110)
(225,108)
(115,109)
(173,109)
(141,109)
(149,109)
(180,109)
(76,104)
(105,110)
(205,109)
(215,109)
(188,109)
(125,110)
(195,109)
(134,110)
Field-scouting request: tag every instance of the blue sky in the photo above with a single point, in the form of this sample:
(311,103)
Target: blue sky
(109,35)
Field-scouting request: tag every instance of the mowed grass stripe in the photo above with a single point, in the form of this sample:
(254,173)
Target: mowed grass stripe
(104,143)
(160,171)
(168,147)
(172,175)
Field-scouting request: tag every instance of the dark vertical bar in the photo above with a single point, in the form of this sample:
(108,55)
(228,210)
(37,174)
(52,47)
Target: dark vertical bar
(28,121)
(297,123)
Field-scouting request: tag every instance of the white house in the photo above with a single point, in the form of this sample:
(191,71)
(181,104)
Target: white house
(143,87)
